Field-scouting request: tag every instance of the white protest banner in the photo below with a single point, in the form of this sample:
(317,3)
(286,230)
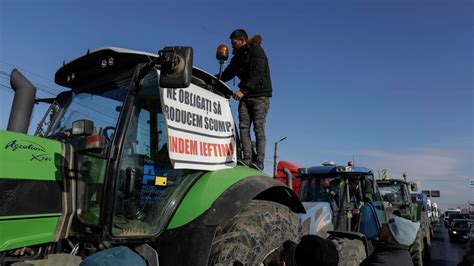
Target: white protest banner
(200,129)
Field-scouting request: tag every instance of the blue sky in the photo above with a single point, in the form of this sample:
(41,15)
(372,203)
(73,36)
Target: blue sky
(388,82)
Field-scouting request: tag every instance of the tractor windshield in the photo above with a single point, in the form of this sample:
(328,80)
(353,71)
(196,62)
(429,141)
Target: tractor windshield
(331,188)
(99,105)
(343,191)
(323,188)
(391,193)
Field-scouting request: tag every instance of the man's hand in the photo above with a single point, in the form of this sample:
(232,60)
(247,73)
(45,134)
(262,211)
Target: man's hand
(238,95)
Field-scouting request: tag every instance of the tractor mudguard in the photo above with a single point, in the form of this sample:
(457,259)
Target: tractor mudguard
(210,189)
(233,200)
(192,241)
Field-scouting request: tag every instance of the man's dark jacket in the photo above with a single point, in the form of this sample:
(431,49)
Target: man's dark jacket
(250,65)
(389,255)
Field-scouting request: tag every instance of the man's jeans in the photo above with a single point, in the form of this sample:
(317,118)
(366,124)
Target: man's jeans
(253,111)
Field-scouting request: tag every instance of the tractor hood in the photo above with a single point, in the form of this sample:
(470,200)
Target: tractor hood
(34,205)
(318,217)
(25,157)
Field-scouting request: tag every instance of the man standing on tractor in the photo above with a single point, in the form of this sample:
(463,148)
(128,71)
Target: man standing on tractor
(250,64)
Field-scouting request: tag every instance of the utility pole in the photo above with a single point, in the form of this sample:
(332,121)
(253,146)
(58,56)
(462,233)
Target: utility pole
(275,156)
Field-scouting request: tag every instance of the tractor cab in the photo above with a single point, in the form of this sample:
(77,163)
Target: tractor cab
(114,151)
(396,196)
(350,191)
(114,121)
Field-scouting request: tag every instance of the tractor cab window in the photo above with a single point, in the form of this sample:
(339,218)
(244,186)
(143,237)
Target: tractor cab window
(322,189)
(391,193)
(146,180)
(99,105)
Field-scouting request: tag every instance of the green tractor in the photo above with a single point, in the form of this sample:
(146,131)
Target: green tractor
(397,198)
(115,163)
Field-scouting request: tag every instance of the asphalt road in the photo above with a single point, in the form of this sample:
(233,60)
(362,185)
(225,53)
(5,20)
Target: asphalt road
(443,252)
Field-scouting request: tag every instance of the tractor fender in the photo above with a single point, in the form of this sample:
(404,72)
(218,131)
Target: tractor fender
(192,241)
(224,193)
(234,199)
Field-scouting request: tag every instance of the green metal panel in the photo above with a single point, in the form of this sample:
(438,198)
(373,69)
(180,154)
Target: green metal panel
(28,157)
(206,190)
(26,232)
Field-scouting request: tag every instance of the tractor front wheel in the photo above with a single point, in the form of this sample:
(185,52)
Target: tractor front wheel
(263,233)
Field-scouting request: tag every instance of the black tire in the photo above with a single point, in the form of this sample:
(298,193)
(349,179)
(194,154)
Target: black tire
(416,249)
(351,251)
(261,229)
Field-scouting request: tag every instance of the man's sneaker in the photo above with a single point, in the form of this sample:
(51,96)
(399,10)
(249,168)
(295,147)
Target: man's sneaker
(260,165)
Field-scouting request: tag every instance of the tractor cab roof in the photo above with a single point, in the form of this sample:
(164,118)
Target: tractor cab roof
(392,181)
(334,169)
(109,62)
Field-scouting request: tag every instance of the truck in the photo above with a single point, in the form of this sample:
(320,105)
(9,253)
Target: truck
(139,150)
(342,203)
(435,217)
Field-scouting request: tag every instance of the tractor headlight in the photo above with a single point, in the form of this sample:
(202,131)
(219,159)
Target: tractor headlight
(455,233)
(344,169)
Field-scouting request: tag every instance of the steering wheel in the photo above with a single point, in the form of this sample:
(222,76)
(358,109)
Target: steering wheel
(108,136)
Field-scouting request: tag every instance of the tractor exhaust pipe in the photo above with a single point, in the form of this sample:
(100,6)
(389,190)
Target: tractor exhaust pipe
(289,177)
(23,103)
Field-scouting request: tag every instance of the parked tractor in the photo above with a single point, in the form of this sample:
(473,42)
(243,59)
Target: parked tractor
(116,163)
(342,204)
(396,196)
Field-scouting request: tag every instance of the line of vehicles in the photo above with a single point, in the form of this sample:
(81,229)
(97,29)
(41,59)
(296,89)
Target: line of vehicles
(366,202)
(458,223)
(97,175)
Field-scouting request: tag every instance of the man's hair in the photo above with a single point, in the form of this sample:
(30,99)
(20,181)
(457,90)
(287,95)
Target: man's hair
(239,34)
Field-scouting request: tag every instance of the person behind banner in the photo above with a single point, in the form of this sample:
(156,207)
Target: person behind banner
(250,64)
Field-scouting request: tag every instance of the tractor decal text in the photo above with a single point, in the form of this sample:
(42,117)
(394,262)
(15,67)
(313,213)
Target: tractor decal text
(15,145)
(40,158)
(25,145)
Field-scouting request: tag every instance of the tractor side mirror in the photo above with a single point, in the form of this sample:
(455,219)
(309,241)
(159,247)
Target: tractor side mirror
(177,68)
(413,187)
